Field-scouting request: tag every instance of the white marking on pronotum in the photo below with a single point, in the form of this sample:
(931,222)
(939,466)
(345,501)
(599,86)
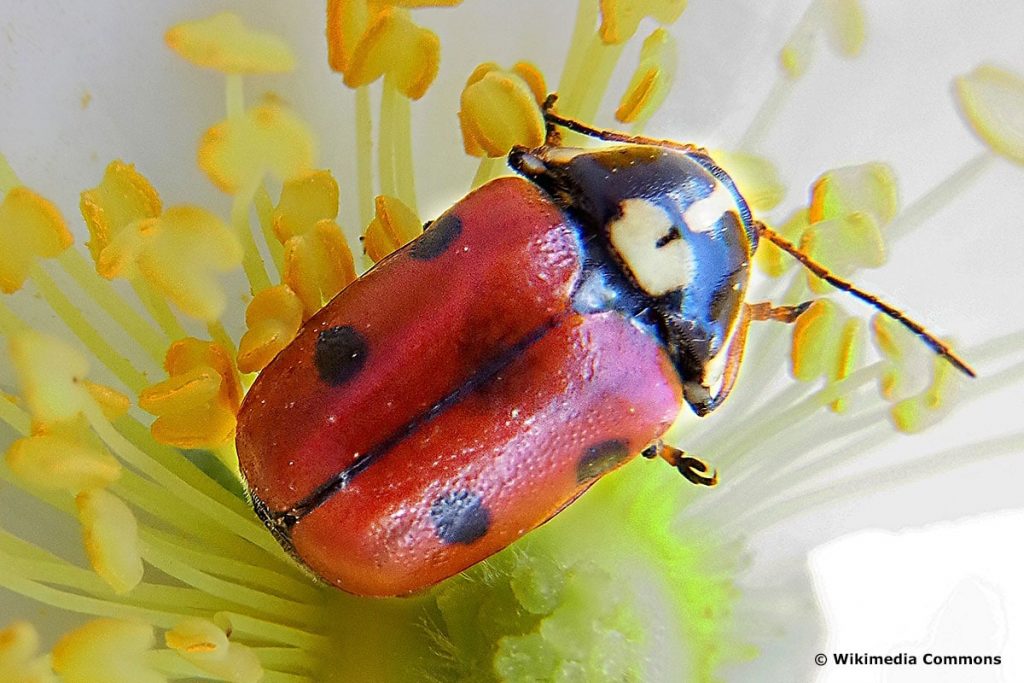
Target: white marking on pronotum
(704,214)
(636,235)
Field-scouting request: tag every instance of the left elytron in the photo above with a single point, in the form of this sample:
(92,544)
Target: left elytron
(538,334)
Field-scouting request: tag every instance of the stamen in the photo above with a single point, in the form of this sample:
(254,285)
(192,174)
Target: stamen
(583,28)
(102,292)
(76,321)
(364,154)
(843,22)
(942,195)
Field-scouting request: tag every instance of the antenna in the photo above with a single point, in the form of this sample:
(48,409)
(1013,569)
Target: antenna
(820,271)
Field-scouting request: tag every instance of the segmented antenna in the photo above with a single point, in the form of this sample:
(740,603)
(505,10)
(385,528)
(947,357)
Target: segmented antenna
(553,119)
(820,271)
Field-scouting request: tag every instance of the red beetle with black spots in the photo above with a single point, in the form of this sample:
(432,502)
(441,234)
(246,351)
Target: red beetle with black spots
(537,335)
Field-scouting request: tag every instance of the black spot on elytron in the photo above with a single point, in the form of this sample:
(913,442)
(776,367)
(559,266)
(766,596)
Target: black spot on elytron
(436,238)
(460,517)
(340,354)
(601,458)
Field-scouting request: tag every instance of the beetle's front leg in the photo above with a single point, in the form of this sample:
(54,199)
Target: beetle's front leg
(694,469)
(783,314)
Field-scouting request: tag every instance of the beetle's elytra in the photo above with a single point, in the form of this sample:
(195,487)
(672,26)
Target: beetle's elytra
(539,334)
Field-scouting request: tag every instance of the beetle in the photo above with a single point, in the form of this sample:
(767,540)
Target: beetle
(539,334)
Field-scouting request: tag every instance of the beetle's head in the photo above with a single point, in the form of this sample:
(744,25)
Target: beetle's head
(673,239)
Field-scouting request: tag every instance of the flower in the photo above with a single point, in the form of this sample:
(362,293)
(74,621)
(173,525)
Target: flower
(644,578)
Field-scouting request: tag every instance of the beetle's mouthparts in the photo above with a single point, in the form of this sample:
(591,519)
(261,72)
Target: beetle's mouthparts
(526,162)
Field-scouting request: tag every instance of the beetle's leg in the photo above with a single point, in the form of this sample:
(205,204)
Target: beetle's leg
(694,469)
(552,119)
(783,314)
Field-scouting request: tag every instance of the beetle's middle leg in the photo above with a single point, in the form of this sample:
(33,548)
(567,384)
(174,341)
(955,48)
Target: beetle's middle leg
(783,314)
(694,469)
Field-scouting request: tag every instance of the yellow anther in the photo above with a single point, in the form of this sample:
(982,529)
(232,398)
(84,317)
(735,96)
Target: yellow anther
(106,651)
(498,110)
(814,350)
(18,643)
(317,260)
(756,177)
(122,197)
(113,403)
(31,228)
(843,244)
(422,3)
(992,101)
(206,646)
(652,79)
(224,43)
(179,253)
(908,361)
(866,188)
(269,139)
(919,412)
(60,462)
(621,18)
(19,659)
(196,406)
(844,25)
(273,319)
(849,349)
(534,79)
(111,537)
(347,21)
(392,46)
(318,265)
(772,260)
(393,225)
(795,56)
(305,201)
(197,636)
(50,373)
(195,387)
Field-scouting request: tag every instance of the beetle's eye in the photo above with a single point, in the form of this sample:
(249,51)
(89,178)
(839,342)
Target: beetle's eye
(651,246)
